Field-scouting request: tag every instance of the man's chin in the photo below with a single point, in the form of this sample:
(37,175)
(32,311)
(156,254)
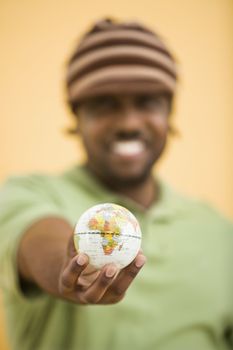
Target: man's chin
(121,177)
(121,180)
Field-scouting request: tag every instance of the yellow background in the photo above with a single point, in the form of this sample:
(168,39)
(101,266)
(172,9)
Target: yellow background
(37,35)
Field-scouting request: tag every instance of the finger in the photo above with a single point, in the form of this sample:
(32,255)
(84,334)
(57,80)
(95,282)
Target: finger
(71,273)
(85,280)
(120,285)
(88,276)
(95,292)
(71,250)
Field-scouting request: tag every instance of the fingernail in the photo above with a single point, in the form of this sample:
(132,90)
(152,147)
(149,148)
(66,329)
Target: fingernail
(140,261)
(111,271)
(81,260)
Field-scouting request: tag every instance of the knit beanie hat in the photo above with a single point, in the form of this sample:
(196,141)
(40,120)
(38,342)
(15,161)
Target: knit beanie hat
(119,58)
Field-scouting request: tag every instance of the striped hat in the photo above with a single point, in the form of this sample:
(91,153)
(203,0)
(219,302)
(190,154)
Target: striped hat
(119,58)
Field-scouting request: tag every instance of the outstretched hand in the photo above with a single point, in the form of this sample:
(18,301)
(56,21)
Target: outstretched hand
(105,286)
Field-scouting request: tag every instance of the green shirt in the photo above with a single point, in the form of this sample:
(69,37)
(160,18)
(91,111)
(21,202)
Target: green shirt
(181,300)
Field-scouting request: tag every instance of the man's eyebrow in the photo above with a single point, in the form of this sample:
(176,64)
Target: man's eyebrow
(102,99)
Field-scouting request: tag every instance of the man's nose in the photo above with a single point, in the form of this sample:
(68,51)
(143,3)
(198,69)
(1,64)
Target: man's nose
(130,120)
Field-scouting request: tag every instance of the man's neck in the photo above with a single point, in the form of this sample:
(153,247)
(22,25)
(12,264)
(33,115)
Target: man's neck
(144,193)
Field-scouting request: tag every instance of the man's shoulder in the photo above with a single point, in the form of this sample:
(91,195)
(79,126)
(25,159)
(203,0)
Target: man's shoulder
(199,209)
(68,189)
(39,180)
(26,185)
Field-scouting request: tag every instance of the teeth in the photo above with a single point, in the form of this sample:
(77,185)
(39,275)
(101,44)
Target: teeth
(128,148)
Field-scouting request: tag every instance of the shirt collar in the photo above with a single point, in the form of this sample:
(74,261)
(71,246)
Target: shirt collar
(164,209)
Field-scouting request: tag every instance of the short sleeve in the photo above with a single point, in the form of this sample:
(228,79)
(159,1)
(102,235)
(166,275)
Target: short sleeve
(23,201)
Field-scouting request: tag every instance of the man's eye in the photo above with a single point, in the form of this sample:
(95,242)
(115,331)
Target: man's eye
(103,105)
(151,102)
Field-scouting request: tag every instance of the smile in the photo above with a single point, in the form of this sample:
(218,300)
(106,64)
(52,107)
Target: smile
(128,148)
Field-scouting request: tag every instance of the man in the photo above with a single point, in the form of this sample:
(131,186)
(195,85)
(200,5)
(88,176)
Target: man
(121,81)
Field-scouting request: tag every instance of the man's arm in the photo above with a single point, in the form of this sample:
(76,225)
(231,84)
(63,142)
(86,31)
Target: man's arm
(47,257)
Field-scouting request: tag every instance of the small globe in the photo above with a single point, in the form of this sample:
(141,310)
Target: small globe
(108,233)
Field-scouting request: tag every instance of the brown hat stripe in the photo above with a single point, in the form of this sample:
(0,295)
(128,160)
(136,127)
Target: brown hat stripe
(121,55)
(145,87)
(119,74)
(120,58)
(118,37)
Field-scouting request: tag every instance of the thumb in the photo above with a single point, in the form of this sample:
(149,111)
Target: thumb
(71,250)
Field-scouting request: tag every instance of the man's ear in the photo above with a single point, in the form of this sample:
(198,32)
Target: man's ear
(173,131)
(73,131)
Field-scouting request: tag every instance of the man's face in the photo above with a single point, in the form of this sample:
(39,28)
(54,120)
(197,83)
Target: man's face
(124,135)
